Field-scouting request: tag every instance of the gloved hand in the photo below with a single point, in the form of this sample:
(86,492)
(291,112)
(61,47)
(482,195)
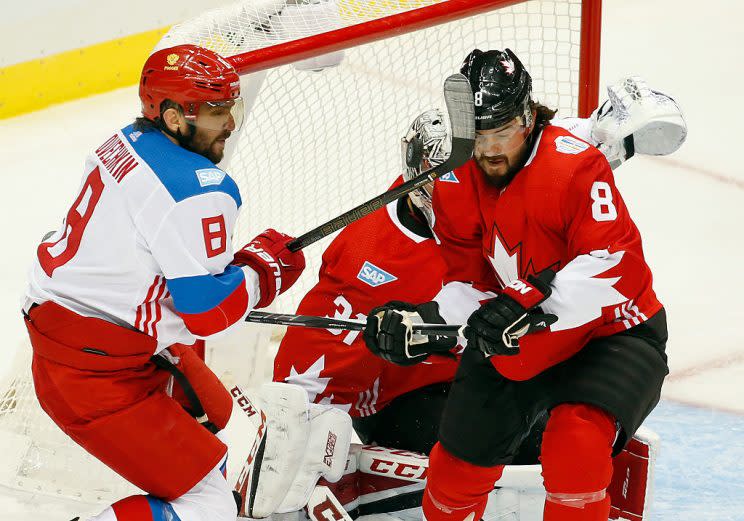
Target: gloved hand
(389,332)
(496,327)
(277,267)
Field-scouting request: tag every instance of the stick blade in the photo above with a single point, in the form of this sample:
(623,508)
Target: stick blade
(461,109)
(459,99)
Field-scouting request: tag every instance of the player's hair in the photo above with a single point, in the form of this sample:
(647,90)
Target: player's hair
(543,115)
(142,123)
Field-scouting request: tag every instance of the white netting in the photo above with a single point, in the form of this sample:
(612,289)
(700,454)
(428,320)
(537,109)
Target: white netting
(318,143)
(314,144)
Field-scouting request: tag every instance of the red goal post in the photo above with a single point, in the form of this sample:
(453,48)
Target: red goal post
(422,18)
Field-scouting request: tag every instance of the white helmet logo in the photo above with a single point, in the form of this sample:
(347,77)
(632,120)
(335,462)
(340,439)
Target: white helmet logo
(508,66)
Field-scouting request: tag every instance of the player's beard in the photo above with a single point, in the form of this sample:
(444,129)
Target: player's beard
(500,169)
(497,169)
(212,149)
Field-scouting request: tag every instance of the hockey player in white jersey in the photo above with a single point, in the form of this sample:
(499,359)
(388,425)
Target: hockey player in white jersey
(141,270)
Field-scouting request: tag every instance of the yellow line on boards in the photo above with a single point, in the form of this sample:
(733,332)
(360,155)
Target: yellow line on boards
(36,84)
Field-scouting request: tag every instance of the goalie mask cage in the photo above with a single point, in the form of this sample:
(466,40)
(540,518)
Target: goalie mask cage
(331,87)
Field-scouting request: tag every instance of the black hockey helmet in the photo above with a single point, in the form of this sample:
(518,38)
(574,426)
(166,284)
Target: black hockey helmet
(501,85)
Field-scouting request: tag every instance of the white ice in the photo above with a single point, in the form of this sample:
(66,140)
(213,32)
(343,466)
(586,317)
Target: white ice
(689,208)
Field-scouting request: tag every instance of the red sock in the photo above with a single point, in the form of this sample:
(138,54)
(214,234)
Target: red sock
(455,489)
(577,463)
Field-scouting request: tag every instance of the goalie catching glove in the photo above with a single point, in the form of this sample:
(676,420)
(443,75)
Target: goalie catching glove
(496,327)
(389,332)
(277,267)
(637,119)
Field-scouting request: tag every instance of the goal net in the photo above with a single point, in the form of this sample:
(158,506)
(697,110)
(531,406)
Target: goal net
(332,86)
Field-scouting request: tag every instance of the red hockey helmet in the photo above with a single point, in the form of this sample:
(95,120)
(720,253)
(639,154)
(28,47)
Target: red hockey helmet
(190,76)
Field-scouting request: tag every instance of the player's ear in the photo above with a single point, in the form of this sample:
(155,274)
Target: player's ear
(173,119)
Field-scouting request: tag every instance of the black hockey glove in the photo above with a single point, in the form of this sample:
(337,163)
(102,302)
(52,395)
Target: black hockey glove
(496,327)
(389,335)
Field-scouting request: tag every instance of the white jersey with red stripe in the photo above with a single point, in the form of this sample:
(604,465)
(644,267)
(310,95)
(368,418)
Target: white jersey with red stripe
(147,243)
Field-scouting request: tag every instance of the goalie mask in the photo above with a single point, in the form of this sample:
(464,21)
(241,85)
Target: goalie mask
(425,145)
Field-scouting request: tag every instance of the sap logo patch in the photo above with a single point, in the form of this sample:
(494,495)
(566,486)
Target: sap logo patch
(374,276)
(570,145)
(134,136)
(210,176)
(449,177)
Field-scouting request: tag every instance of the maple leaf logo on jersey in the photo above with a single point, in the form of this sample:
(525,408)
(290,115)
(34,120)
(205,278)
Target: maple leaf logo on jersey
(505,260)
(310,379)
(579,294)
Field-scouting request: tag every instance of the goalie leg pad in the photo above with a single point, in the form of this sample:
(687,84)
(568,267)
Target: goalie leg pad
(303,442)
(630,490)
(326,453)
(456,490)
(577,464)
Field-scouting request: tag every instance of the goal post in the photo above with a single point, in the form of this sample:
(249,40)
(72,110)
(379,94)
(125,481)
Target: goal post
(422,18)
(591,36)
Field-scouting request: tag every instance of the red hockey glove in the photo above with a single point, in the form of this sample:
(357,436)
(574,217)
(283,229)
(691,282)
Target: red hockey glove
(496,327)
(389,333)
(277,267)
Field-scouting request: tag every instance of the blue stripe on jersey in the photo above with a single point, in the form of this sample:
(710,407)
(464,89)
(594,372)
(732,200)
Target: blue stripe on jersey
(161,511)
(177,167)
(204,292)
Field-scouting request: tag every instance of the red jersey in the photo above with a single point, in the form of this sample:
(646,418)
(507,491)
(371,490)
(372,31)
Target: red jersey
(372,261)
(561,211)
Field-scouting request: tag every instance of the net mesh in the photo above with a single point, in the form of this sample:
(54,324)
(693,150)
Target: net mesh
(318,140)
(318,143)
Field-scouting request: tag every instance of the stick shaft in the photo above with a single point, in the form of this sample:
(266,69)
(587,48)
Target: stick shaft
(283,319)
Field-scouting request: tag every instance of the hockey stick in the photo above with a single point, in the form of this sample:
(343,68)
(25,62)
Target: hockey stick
(459,99)
(260,317)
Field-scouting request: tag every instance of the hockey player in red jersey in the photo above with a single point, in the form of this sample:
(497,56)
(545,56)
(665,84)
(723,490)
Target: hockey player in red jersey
(546,266)
(388,255)
(140,272)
